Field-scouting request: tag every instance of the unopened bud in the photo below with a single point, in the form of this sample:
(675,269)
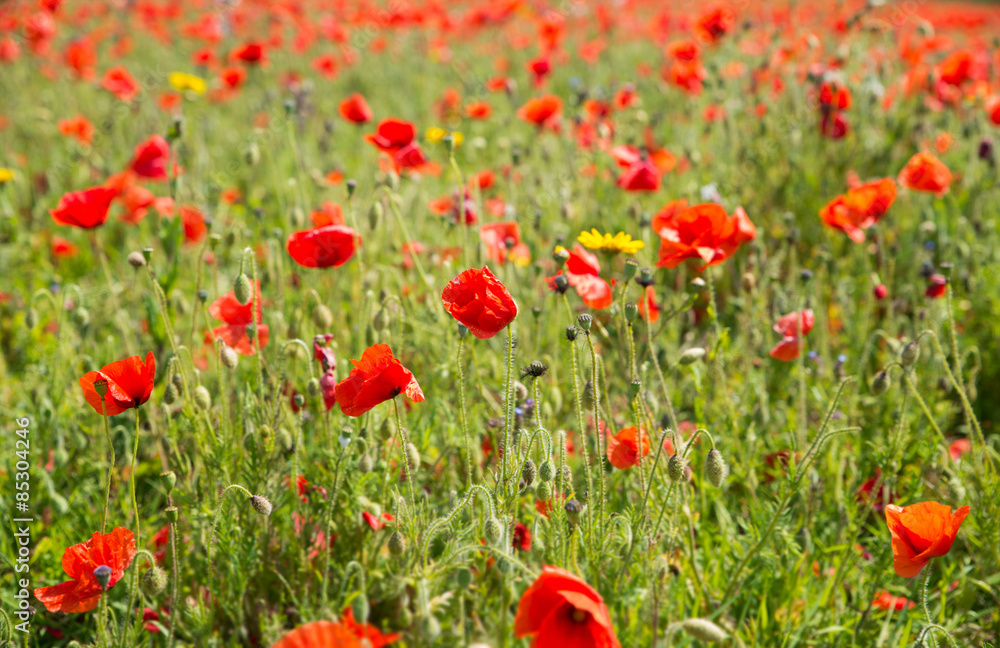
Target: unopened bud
(715,467)
(880,384)
(375,214)
(365,464)
(675,468)
(382,320)
(136,260)
(909,354)
(352,186)
(748,282)
(261,504)
(544,491)
(397,543)
(360,608)
(412,456)
(493,531)
(242,290)
(322,317)
(170,394)
(547,471)
(312,387)
(529,472)
(31,318)
(692,355)
(153,581)
(202,398)
(704,630)
(588,395)
(81,317)
(228,357)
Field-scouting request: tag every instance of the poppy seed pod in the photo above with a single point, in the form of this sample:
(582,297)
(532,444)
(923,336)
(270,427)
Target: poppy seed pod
(715,467)
(261,504)
(560,255)
(675,468)
(242,290)
(169,480)
(585,321)
(397,543)
(153,581)
(352,186)
(909,354)
(202,398)
(703,630)
(492,531)
(529,472)
(322,317)
(561,283)
(645,278)
(880,384)
(573,509)
(463,331)
(136,260)
(547,471)
(103,576)
(360,608)
(228,356)
(634,388)
(147,253)
(631,311)
(172,514)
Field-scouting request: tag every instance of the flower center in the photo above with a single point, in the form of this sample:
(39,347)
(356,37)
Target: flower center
(579,616)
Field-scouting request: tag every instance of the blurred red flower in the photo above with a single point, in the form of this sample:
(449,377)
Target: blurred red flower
(924,172)
(623,448)
(151,158)
(355,109)
(541,111)
(120,83)
(320,634)
(85,209)
(703,232)
(788,326)
(860,208)
(323,247)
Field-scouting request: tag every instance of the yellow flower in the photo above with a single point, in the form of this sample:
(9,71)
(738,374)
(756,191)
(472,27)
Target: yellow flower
(437,134)
(620,242)
(6,175)
(182,81)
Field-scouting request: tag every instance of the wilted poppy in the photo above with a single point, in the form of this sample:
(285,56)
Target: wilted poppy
(623,448)
(924,172)
(85,209)
(81,594)
(376,378)
(477,299)
(561,609)
(355,109)
(703,232)
(788,326)
(921,532)
(129,382)
(237,317)
(323,247)
(319,634)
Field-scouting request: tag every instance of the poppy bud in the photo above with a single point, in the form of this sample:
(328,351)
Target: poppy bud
(213,240)
(547,471)
(520,391)
(360,608)
(153,581)
(492,531)
(464,578)
(312,387)
(585,321)
(299,400)
(631,311)
(909,354)
(31,318)
(352,186)
(946,268)
(322,317)
(103,576)
(81,317)
(176,129)
(986,150)
(375,214)
(880,292)
(692,355)
(463,331)
(382,320)
(170,394)
(365,464)
(171,513)
(136,260)
(529,472)
(169,480)
(565,478)
(634,388)
(715,467)
(544,491)
(397,543)
(251,331)
(573,509)
(412,456)
(704,630)
(431,627)
(261,505)
(203,295)
(202,398)
(631,267)
(242,290)
(675,468)
(748,281)
(571,333)
(228,357)
(806,275)
(880,384)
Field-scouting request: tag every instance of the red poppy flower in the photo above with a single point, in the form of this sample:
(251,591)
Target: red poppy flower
(684,50)
(867,492)
(648,308)
(85,209)
(623,448)
(364,631)
(150,158)
(921,532)
(461,211)
(320,634)
(329,213)
(323,247)
(193,222)
(937,286)
(643,175)
(788,326)
(63,248)
(233,77)
(956,68)
(959,447)
(249,54)
(478,110)
(355,109)
(561,609)
(860,208)
(477,299)
(392,134)
(715,24)
(924,172)
(376,523)
(703,231)
(376,378)
(130,382)
(326,65)
(81,58)
(79,128)
(993,109)
(503,243)
(521,537)
(539,69)
(583,274)
(541,111)
(81,594)
(686,75)
(120,83)
(886,601)
(834,125)
(237,317)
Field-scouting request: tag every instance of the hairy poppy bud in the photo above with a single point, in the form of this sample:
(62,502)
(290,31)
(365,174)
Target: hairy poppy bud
(397,543)
(565,478)
(880,384)
(242,290)
(529,472)
(544,491)
(170,394)
(322,317)
(172,514)
(202,398)
(909,354)
(704,630)
(81,317)
(631,267)
(375,214)
(136,260)
(748,282)
(493,531)
(431,628)
(169,480)
(382,320)
(261,504)
(365,464)
(412,456)
(103,576)
(675,468)
(692,355)
(228,357)
(715,467)
(153,581)
(573,509)
(588,395)
(312,387)
(360,608)
(547,471)
(251,154)
(464,578)
(631,311)
(31,318)
(585,321)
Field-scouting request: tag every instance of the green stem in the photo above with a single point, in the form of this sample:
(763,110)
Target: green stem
(111,466)
(135,505)
(465,421)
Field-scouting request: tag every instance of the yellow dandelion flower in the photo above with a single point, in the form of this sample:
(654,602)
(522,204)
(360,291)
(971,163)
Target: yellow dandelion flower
(436,134)
(620,242)
(182,81)
(6,175)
